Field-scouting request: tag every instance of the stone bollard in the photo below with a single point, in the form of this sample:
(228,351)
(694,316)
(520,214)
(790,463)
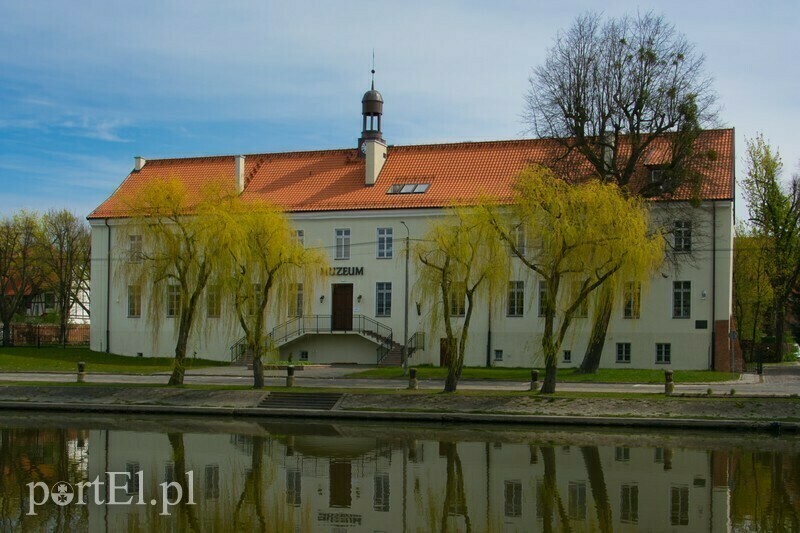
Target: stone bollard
(413,384)
(534,380)
(81,372)
(669,385)
(290,376)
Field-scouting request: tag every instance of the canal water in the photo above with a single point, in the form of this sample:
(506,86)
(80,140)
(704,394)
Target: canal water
(153,473)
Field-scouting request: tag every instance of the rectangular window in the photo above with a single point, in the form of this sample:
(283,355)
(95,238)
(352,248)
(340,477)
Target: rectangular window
(681,299)
(304,355)
(622,453)
(380,500)
(516,298)
(458,299)
(299,237)
(213,300)
(632,299)
(385,243)
(517,237)
(211,482)
(629,504)
(134,301)
(623,352)
(679,506)
(132,481)
(293,487)
(342,243)
(383,298)
(567,356)
(542,298)
(498,355)
(577,500)
(513,498)
(173,300)
(134,248)
(663,353)
(683,236)
(296,300)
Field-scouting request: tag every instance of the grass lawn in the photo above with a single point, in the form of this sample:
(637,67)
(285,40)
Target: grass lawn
(565,375)
(30,359)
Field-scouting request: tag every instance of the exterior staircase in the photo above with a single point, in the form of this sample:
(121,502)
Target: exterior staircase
(322,401)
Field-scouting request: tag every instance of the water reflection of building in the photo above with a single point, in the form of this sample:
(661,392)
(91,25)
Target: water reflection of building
(327,482)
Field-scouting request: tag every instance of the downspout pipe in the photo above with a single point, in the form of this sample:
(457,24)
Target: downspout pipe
(714,285)
(108,286)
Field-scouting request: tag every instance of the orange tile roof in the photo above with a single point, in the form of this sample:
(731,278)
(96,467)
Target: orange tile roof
(333,180)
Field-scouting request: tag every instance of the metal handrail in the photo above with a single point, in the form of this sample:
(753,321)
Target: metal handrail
(301,325)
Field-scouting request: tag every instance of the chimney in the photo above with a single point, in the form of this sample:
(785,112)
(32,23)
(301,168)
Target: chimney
(138,163)
(239,159)
(376,156)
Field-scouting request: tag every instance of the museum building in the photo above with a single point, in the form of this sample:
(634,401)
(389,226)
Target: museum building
(364,205)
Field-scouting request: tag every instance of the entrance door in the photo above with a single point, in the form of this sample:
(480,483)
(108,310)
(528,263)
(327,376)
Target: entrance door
(342,304)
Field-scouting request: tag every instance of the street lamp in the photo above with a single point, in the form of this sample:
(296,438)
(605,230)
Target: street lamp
(404,352)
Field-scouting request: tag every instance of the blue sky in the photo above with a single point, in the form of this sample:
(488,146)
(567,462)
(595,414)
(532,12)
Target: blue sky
(87,85)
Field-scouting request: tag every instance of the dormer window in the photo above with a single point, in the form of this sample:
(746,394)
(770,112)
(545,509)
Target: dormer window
(657,176)
(408,188)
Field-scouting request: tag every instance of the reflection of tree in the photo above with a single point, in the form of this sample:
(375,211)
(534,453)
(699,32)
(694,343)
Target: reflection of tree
(253,489)
(455,501)
(597,481)
(766,492)
(186,511)
(549,498)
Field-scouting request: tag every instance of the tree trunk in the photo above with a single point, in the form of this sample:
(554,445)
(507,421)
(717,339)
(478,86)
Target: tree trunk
(549,384)
(179,368)
(780,327)
(179,461)
(453,366)
(597,339)
(258,368)
(451,383)
(7,340)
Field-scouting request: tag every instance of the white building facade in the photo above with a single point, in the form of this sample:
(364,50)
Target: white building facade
(364,206)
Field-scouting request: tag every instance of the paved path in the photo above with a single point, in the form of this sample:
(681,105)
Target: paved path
(783,380)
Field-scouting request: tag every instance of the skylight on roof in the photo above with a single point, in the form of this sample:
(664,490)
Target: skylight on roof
(408,188)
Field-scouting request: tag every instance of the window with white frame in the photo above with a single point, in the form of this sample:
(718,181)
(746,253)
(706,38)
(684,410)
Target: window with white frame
(679,505)
(513,498)
(517,236)
(622,453)
(383,298)
(134,301)
(683,236)
(632,300)
(542,297)
(299,237)
(296,300)
(623,352)
(567,356)
(516,298)
(294,482)
(681,299)
(173,300)
(498,355)
(380,500)
(663,353)
(135,248)
(458,299)
(385,242)
(629,504)
(342,243)
(576,500)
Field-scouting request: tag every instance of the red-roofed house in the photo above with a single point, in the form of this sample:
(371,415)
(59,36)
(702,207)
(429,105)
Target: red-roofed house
(358,203)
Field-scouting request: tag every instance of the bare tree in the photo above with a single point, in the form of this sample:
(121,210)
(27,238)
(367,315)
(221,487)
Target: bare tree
(20,266)
(66,257)
(609,92)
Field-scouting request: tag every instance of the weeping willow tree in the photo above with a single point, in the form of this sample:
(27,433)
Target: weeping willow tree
(576,239)
(460,257)
(170,253)
(263,264)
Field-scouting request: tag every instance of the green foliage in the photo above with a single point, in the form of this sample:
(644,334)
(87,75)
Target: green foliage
(578,238)
(461,259)
(752,291)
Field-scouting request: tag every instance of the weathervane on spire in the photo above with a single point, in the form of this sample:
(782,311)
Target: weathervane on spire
(373,69)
